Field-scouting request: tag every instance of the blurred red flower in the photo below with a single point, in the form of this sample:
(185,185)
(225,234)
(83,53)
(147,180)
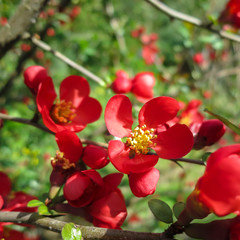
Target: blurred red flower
(231,13)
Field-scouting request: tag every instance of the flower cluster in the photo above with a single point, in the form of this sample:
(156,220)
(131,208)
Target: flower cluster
(98,198)
(149,47)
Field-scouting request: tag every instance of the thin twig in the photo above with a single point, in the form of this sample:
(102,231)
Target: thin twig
(65,59)
(24,121)
(88,233)
(188,160)
(190,19)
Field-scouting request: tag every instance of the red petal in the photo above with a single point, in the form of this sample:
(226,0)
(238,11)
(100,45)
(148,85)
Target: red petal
(144,184)
(46,94)
(119,157)
(94,176)
(95,157)
(74,89)
(158,111)
(69,143)
(87,112)
(109,211)
(118,116)
(6,185)
(111,181)
(33,76)
(1,202)
(49,123)
(222,153)
(176,142)
(143,84)
(75,186)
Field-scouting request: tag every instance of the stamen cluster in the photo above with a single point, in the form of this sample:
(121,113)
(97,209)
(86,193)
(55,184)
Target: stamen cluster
(140,140)
(63,112)
(59,161)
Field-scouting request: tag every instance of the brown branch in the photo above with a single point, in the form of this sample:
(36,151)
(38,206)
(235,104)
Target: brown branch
(20,22)
(24,121)
(65,59)
(88,233)
(190,19)
(188,160)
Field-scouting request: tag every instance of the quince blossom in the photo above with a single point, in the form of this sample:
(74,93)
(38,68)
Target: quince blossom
(153,132)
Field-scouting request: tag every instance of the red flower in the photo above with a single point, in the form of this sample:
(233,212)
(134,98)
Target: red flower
(209,132)
(95,157)
(198,58)
(152,132)
(138,32)
(33,76)
(143,84)
(80,187)
(218,189)
(122,83)
(12,201)
(149,53)
(109,208)
(73,111)
(191,113)
(231,13)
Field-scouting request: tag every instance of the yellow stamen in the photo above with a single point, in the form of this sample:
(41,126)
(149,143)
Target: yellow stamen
(140,140)
(62,112)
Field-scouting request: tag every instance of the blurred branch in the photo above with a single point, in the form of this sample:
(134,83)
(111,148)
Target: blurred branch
(190,19)
(114,23)
(65,59)
(25,15)
(24,121)
(88,233)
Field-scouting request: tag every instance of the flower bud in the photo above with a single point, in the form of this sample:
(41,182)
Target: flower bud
(95,157)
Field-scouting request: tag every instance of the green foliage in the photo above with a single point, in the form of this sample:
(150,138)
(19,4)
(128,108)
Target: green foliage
(178,208)
(71,232)
(161,210)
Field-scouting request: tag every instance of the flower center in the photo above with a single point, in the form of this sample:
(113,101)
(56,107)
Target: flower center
(141,139)
(63,112)
(60,162)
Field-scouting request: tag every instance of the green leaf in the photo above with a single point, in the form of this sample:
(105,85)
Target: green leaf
(43,210)
(235,128)
(205,156)
(35,203)
(178,208)
(161,210)
(71,232)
